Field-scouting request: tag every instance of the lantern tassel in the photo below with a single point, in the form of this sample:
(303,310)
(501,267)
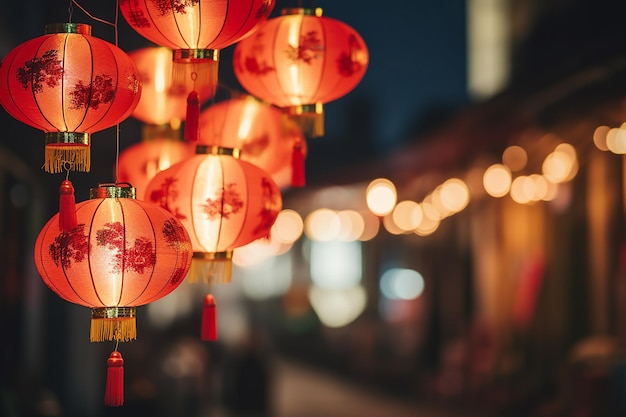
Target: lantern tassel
(209,319)
(297,165)
(121,329)
(192,118)
(67,207)
(114,392)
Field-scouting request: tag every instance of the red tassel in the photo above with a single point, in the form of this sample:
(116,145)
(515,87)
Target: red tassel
(192,118)
(209,319)
(297,165)
(67,207)
(114,394)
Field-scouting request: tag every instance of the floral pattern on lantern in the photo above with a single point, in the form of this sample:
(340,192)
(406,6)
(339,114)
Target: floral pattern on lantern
(123,253)
(259,131)
(68,84)
(222,201)
(299,61)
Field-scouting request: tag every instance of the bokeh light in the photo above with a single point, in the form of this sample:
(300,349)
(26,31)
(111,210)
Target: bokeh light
(322,225)
(381,196)
(407,215)
(497,180)
(288,226)
(401,284)
(515,158)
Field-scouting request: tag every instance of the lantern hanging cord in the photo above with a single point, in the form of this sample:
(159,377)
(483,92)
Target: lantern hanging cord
(97,19)
(70,11)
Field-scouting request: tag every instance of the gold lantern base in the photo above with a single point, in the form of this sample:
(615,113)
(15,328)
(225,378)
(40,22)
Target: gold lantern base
(211,267)
(67,151)
(113,323)
(310,118)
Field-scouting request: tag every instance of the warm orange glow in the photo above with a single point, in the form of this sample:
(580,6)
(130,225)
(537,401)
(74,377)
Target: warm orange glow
(515,158)
(390,225)
(371,225)
(381,196)
(322,225)
(454,195)
(522,189)
(352,225)
(256,128)
(561,165)
(497,180)
(600,137)
(266,70)
(616,140)
(407,215)
(288,226)
(154,244)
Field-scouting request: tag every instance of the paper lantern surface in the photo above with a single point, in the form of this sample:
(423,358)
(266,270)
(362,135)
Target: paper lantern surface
(258,130)
(123,253)
(222,201)
(301,59)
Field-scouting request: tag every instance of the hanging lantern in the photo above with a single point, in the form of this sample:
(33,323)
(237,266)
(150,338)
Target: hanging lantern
(112,253)
(258,130)
(160,102)
(222,201)
(121,254)
(160,148)
(299,61)
(68,84)
(196,30)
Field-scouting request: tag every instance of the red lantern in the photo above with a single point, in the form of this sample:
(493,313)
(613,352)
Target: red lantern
(112,253)
(68,84)
(160,102)
(121,254)
(259,131)
(299,61)
(196,30)
(222,201)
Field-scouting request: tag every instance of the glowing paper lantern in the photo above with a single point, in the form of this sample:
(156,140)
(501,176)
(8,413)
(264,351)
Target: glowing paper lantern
(160,102)
(299,61)
(123,253)
(68,84)
(223,202)
(112,253)
(196,30)
(258,130)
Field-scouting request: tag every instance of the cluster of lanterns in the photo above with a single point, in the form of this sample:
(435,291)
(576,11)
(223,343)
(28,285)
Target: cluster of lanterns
(198,199)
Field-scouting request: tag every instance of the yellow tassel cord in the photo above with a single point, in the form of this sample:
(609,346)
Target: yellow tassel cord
(198,75)
(59,158)
(121,329)
(211,271)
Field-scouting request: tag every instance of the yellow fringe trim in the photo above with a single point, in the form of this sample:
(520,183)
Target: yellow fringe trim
(61,158)
(214,271)
(122,329)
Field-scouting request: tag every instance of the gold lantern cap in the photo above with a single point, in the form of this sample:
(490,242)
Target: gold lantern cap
(115,190)
(317,11)
(78,28)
